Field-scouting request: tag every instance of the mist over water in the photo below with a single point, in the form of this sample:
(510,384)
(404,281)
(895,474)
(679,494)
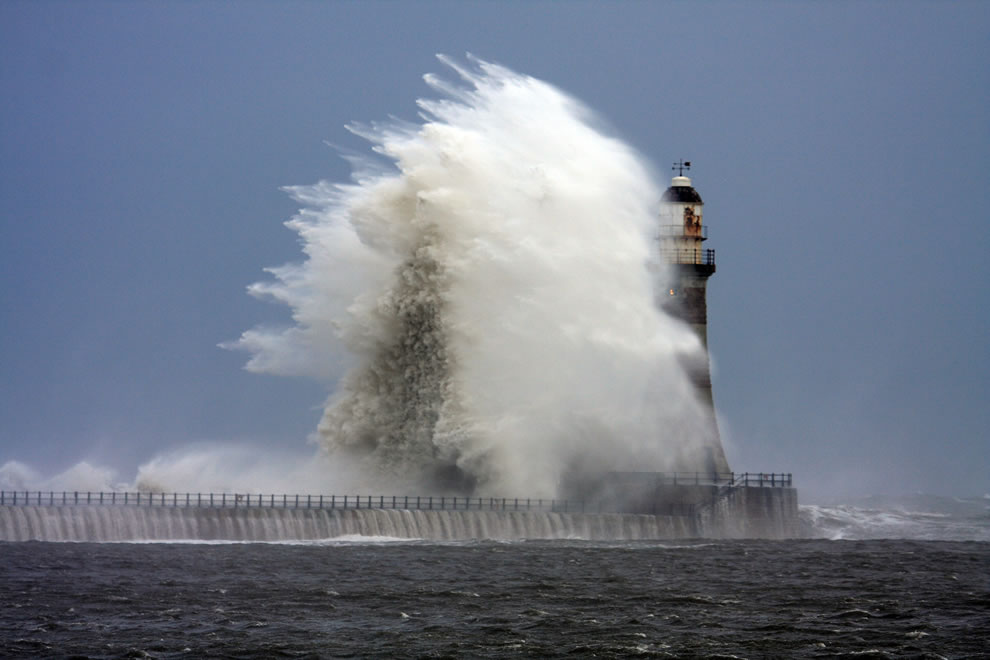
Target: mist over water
(490,293)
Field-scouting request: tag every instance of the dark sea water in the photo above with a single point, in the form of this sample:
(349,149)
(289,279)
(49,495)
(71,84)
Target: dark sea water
(416,599)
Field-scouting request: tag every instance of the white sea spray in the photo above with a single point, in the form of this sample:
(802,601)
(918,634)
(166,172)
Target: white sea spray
(493,295)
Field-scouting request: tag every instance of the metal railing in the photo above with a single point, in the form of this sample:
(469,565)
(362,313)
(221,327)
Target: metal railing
(688,256)
(747,480)
(286,501)
(724,481)
(673,478)
(764,480)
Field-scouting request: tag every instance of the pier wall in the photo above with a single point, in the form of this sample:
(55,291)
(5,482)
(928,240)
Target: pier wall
(658,510)
(122,524)
(751,513)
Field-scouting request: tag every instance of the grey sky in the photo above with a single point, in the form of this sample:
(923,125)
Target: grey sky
(840,149)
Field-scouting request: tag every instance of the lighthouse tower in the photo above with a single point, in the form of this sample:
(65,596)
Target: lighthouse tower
(682,235)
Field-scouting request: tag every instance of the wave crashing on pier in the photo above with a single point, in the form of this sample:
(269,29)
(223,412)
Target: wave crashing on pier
(482,302)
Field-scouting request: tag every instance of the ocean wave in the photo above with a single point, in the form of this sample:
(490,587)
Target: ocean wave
(919,517)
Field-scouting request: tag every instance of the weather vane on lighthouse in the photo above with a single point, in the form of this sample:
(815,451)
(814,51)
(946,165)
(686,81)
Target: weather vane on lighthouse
(680,166)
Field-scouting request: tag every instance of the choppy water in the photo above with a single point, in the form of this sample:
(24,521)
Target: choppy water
(381,598)
(919,517)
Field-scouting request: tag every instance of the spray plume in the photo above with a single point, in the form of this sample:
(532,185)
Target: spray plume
(491,298)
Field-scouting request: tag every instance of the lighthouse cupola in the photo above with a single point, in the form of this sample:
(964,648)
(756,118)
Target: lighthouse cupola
(682,228)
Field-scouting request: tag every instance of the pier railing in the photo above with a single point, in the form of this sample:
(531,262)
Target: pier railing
(286,501)
(724,481)
(749,479)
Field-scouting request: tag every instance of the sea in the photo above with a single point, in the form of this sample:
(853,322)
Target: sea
(875,579)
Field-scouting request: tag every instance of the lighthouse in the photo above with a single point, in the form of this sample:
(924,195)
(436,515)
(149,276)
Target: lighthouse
(690,263)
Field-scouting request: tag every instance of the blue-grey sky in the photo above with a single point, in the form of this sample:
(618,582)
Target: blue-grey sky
(840,149)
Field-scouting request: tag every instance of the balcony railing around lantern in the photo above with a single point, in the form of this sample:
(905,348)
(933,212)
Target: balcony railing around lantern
(688,256)
(680,231)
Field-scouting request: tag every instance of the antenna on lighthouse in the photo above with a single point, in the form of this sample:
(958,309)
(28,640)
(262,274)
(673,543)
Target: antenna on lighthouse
(680,166)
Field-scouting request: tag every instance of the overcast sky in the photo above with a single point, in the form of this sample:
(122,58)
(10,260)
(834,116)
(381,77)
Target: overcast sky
(841,149)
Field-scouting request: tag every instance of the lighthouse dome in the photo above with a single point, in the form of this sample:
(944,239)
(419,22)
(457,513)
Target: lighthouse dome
(681,192)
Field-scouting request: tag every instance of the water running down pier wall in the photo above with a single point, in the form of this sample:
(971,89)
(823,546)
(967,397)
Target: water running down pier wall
(103,524)
(741,512)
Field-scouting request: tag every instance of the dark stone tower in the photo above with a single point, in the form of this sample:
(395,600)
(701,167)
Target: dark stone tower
(681,235)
